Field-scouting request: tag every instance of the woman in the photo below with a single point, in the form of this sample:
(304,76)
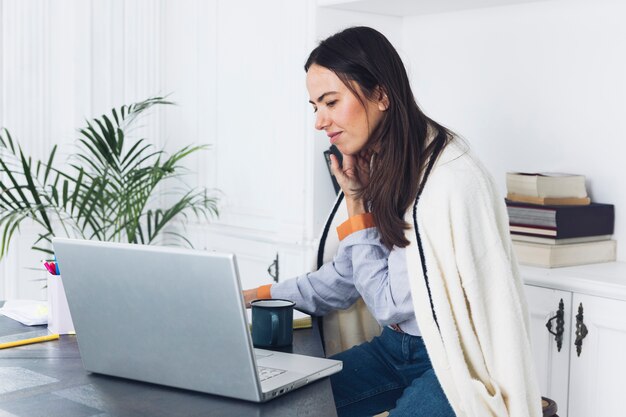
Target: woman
(426,246)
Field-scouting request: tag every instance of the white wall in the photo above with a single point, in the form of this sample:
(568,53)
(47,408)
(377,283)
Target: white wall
(260,161)
(62,62)
(533,87)
(44,97)
(235,68)
(536,86)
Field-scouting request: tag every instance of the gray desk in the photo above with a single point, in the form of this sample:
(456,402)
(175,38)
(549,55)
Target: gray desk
(48,380)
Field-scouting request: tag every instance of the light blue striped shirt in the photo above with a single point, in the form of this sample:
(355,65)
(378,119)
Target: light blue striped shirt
(363,267)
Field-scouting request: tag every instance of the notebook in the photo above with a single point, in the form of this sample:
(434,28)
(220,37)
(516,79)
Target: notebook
(174,317)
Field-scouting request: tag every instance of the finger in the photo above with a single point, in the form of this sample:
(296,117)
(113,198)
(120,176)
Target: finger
(348,164)
(345,176)
(249,296)
(334,165)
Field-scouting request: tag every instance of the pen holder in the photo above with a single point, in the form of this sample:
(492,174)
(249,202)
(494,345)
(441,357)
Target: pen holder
(59,318)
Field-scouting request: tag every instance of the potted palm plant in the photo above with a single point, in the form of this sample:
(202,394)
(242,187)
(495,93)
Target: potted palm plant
(107,190)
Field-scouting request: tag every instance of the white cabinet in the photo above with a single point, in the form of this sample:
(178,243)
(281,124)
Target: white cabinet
(551,360)
(596,376)
(585,376)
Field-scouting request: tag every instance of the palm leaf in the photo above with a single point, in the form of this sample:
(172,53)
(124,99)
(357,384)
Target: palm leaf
(33,190)
(8,142)
(49,164)
(14,204)
(11,222)
(23,202)
(181,237)
(108,191)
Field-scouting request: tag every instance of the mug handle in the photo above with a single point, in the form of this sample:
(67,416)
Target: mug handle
(274,329)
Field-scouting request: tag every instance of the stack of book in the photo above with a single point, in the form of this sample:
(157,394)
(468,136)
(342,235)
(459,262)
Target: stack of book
(553,222)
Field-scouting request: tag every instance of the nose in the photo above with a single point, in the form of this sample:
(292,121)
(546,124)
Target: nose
(321,120)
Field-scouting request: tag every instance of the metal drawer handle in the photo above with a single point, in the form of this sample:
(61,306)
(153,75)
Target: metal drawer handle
(273,269)
(581,330)
(560,325)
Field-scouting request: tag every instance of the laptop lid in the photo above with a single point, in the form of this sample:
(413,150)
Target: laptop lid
(157,314)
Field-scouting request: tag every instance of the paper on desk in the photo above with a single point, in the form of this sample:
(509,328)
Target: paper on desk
(27,312)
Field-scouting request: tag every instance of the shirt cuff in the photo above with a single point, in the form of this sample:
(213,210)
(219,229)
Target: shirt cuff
(264,292)
(354,224)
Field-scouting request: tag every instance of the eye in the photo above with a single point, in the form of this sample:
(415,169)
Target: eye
(331,103)
(314,109)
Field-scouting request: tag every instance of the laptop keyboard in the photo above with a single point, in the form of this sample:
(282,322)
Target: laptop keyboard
(267,373)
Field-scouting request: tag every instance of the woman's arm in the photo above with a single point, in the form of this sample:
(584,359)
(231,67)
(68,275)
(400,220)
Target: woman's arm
(381,277)
(382,284)
(329,288)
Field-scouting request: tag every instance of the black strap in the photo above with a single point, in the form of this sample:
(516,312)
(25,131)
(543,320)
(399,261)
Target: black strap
(322,245)
(320,258)
(431,163)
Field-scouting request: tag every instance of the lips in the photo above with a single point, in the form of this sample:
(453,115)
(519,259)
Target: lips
(334,136)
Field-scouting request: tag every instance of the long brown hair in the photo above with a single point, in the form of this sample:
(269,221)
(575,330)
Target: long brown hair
(365,56)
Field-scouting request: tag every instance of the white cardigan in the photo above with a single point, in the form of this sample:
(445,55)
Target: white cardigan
(479,342)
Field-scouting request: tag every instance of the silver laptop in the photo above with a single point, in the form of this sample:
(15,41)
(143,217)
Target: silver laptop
(174,317)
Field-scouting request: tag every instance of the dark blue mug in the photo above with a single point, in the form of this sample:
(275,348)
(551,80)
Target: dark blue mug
(272,323)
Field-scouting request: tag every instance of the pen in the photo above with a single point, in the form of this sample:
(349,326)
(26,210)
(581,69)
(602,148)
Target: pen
(50,267)
(29,341)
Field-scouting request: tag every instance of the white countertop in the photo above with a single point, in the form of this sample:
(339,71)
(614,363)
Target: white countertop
(604,279)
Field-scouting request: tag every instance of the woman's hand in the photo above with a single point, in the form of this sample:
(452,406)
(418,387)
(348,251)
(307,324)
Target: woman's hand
(353,175)
(249,295)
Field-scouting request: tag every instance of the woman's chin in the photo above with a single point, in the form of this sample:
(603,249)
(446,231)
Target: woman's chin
(348,150)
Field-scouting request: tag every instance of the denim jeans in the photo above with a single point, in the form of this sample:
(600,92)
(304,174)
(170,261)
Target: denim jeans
(392,372)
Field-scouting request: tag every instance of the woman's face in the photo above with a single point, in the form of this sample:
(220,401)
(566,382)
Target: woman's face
(339,112)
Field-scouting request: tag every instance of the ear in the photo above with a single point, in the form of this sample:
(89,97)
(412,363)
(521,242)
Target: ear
(382,98)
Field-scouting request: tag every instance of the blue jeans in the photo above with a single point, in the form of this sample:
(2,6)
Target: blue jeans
(392,372)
